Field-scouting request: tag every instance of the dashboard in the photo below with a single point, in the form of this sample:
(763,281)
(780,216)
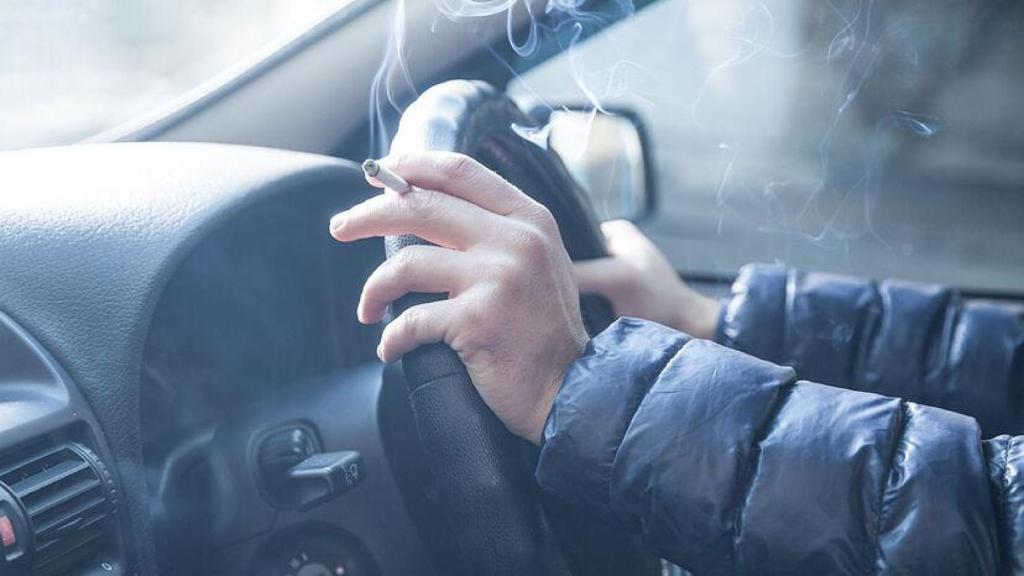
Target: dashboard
(267,300)
(253,340)
(178,335)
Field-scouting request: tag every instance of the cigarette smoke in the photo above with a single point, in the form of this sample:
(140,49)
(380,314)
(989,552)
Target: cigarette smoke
(850,170)
(563,24)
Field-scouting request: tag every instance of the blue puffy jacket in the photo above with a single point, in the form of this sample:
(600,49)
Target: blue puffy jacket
(728,464)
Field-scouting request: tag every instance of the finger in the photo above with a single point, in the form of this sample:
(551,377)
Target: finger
(422,324)
(460,176)
(433,216)
(622,236)
(613,229)
(599,276)
(619,226)
(414,269)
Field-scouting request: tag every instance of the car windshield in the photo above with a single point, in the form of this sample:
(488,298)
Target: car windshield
(874,138)
(72,69)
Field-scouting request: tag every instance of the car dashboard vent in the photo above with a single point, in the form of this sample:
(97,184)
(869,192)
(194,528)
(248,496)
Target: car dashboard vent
(67,497)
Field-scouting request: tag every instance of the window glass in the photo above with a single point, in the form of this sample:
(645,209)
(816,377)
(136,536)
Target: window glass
(73,68)
(873,138)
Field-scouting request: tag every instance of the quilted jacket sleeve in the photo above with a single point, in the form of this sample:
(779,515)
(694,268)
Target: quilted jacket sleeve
(916,341)
(726,464)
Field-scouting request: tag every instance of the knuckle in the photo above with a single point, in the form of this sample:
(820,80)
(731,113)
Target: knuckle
(534,245)
(506,270)
(423,203)
(542,217)
(458,165)
(398,161)
(403,262)
(510,282)
(410,322)
(381,281)
(372,288)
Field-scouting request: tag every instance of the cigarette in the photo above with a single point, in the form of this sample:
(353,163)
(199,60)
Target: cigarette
(389,179)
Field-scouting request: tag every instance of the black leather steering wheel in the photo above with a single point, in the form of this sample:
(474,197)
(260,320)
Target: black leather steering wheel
(501,523)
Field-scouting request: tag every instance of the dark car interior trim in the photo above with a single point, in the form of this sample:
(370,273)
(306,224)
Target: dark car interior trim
(113,223)
(41,414)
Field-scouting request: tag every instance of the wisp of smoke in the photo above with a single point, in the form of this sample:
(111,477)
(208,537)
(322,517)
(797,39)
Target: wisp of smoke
(563,23)
(383,99)
(859,40)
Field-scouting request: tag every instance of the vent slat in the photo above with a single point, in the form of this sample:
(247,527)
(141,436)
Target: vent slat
(62,490)
(43,528)
(62,496)
(68,541)
(76,547)
(25,461)
(48,477)
(93,521)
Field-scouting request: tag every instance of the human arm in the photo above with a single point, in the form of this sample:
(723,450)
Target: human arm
(722,462)
(727,464)
(640,282)
(921,342)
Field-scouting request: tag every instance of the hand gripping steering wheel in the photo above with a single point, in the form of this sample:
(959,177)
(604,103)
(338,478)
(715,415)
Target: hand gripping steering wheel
(502,525)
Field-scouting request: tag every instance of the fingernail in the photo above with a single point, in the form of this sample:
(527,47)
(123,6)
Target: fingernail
(380,352)
(338,221)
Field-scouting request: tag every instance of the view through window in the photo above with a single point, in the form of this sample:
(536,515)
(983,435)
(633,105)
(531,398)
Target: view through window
(73,68)
(871,138)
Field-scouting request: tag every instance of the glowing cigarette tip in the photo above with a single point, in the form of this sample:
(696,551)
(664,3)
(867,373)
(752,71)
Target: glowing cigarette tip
(389,179)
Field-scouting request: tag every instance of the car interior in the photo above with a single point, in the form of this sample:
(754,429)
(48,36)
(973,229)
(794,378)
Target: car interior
(184,386)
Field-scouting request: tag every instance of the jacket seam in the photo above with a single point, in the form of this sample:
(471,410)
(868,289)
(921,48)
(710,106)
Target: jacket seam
(746,485)
(902,420)
(935,353)
(1006,466)
(1005,507)
(789,295)
(636,402)
(869,321)
(950,366)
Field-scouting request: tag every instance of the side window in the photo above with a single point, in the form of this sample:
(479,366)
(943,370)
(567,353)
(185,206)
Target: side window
(72,69)
(884,142)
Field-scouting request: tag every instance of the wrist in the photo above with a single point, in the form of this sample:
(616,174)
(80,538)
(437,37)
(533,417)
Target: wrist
(535,431)
(698,314)
(546,400)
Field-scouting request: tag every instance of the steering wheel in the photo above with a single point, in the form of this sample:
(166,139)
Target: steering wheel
(501,524)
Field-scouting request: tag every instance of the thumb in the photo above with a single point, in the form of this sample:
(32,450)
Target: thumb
(623,238)
(599,276)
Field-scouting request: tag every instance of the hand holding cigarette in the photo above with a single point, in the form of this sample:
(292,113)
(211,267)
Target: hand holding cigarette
(512,312)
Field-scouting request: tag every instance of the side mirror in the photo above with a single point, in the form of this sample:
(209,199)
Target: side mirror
(608,156)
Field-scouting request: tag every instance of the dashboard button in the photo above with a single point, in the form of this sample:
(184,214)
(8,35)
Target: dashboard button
(313,550)
(7,535)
